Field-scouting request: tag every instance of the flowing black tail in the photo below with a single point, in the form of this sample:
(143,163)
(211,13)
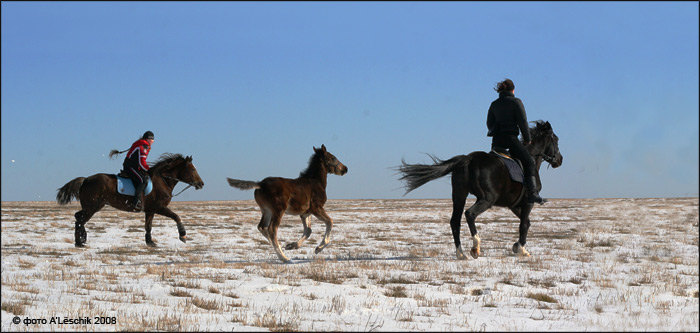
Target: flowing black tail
(70,190)
(243,184)
(416,175)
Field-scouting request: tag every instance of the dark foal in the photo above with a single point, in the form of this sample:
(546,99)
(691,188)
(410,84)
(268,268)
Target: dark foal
(303,196)
(485,176)
(98,190)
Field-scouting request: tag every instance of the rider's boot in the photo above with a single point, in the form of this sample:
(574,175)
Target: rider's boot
(531,191)
(138,198)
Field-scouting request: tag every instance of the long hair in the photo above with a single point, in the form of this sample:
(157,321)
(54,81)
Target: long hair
(115,152)
(505,85)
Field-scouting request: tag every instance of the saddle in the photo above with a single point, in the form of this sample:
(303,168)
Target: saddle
(126,186)
(515,168)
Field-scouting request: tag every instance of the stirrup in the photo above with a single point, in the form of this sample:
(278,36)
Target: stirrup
(136,205)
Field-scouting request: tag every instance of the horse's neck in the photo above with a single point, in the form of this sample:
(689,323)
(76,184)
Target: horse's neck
(168,178)
(316,172)
(535,152)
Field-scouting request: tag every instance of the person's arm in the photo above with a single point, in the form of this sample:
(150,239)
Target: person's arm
(142,157)
(522,120)
(491,121)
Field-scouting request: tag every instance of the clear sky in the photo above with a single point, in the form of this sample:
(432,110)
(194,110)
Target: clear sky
(249,88)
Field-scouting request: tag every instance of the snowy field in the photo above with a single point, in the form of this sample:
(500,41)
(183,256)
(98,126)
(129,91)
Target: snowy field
(604,264)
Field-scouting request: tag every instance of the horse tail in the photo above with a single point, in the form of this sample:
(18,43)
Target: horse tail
(243,184)
(416,175)
(69,191)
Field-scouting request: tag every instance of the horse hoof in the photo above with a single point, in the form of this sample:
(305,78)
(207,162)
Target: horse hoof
(291,246)
(79,245)
(475,253)
(152,244)
(520,250)
(318,250)
(460,254)
(184,239)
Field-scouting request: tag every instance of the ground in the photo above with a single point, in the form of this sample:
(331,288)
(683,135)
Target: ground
(596,265)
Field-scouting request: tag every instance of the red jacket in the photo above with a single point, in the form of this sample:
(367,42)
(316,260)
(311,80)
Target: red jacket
(136,157)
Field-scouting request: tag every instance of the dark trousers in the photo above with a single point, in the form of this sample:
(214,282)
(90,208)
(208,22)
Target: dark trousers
(517,150)
(139,178)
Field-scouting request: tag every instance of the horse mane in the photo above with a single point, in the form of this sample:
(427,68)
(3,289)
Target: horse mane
(539,129)
(164,162)
(314,166)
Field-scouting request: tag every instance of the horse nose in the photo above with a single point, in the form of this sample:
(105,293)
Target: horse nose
(345,170)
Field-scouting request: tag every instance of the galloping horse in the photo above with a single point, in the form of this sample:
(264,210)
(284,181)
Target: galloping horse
(484,176)
(303,196)
(100,189)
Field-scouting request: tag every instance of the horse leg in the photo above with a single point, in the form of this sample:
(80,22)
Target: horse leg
(80,232)
(459,198)
(265,224)
(304,236)
(480,206)
(321,215)
(149,221)
(523,212)
(272,231)
(165,211)
(81,217)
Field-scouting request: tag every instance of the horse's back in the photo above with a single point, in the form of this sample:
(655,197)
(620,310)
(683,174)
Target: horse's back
(100,178)
(293,195)
(99,182)
(482,159)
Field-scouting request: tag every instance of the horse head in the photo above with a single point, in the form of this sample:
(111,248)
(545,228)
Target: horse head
(178,167)
(188,173)
(330,162)
(546,143)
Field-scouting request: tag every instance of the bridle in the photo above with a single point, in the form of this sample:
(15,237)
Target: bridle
(548,158)
(178,180)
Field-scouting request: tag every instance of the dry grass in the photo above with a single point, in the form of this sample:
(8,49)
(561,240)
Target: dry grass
(180,293)
(396,291)
(16,308)
(206,304)
(595,265)
(541,297)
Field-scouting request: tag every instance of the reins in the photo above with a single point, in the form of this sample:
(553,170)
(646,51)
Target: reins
(177,180)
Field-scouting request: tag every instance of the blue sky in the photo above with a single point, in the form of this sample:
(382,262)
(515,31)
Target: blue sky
(248,89)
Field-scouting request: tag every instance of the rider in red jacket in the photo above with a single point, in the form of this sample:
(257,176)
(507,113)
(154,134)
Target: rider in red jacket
(136,167)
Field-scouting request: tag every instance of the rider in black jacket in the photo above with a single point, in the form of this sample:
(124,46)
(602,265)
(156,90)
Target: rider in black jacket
(505,119)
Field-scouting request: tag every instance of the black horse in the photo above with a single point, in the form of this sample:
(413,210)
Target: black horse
(485,176)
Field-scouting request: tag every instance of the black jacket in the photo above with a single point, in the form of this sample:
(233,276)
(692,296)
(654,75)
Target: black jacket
(506,116)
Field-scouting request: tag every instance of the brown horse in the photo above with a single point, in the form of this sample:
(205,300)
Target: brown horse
(98,190)
(303,196)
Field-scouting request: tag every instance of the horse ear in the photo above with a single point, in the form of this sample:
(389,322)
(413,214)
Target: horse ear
(323,147)
(548,127)
(188,159)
